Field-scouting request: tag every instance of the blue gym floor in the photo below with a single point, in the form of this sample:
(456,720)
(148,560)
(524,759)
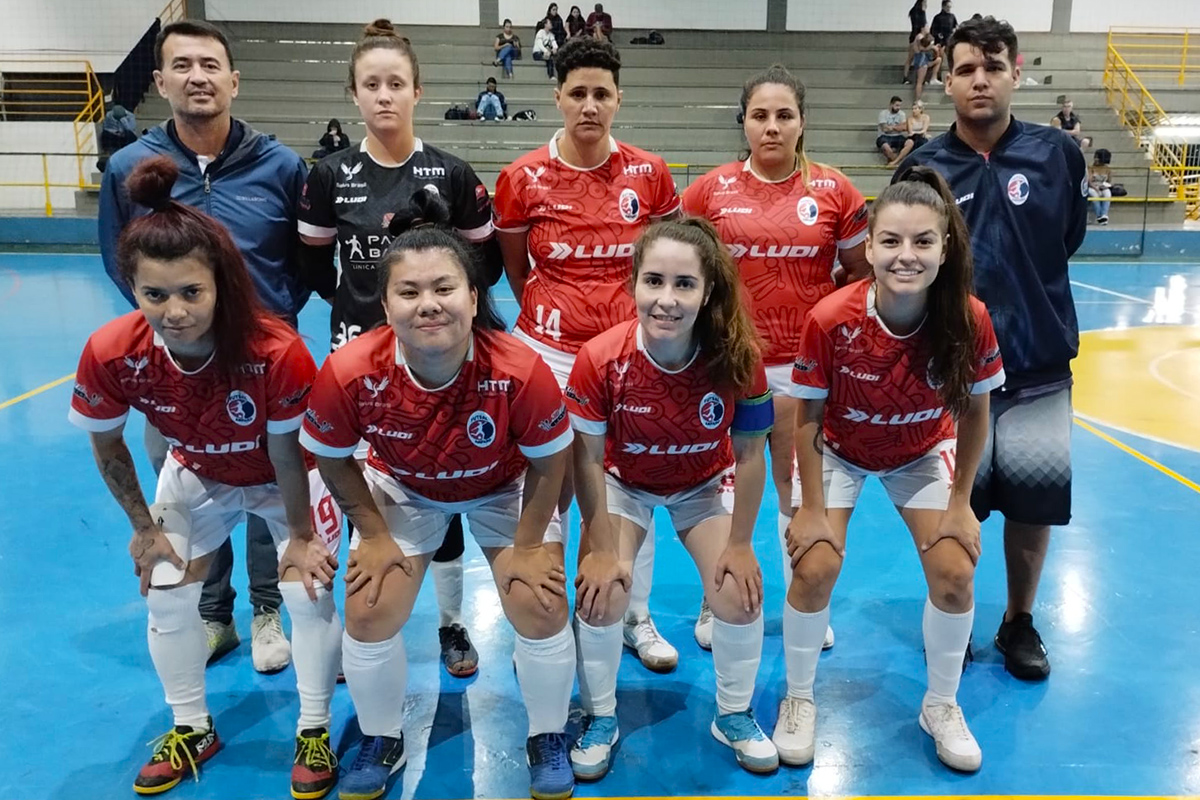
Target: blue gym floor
(1118,608)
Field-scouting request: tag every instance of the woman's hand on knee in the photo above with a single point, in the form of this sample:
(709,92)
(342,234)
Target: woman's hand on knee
(312,561)
(370,561)
(959,524)
(599,573)
(807,528)
(536,568)
(741,566)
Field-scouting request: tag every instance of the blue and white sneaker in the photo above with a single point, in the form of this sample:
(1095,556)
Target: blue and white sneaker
(592,754)
(754,751)
(550,776)
(379,757)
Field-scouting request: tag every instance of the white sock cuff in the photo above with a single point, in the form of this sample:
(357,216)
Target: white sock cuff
(746,634)
(550,646)
(174,603)
(797,614)
(930,608)
(593,632)
(298,603)
(366,653)
(446,566)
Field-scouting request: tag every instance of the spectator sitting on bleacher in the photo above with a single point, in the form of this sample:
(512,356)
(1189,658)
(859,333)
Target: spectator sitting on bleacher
(603,19)
(927,62)
(942,26)
(1100,184)
(893,133)
(556,24)
(1070,124)
(507,47)
(490,103)
(545,46)
(332,141)
(118,129)
(576,25)
(918,125)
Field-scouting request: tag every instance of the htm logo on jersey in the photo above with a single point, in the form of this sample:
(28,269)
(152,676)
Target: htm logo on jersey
(560,251)
(352,171)
(823,183)
(807,211)
(138,365)
(773,250)
(321,425)
(491,385)
(630,205)
(241,408)
(639,169)
(376,388)
(712,410)
(911,418)
(481,430)
(1018,189)
(551,422)
(90,398)
(429,172)
(634,448)
(534,174)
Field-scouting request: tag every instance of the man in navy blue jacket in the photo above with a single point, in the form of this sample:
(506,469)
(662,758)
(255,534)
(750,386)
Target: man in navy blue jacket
(1023,191)
(251,184)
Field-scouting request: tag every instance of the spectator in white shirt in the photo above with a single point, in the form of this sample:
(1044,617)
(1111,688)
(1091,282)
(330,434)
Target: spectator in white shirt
(545,45)
(893,139)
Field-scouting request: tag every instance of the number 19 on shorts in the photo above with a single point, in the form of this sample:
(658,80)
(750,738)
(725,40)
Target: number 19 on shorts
(549,323)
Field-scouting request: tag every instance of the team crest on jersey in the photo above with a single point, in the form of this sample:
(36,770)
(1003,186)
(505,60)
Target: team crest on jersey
(1083,186)
(376,388)
(712,410)
(807,211)
(136,365)
(630,205)
(1018,189)
(727,182)
(534,174)
(241,408)
(930,380)
(481,430)
(352,171)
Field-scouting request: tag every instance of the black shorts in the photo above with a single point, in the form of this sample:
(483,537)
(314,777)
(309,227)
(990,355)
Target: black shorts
(893,140)
(918,139)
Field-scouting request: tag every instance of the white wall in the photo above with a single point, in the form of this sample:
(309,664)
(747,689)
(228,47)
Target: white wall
(644,15)
(1026,16)
(39,137)
(1100,15)
(103,31)
(406,12)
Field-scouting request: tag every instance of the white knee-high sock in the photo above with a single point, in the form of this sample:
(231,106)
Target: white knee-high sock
(946,637)
(377,676)
(316,651)
(448,583)
(179,650)
(736,650)
(643,577)
(546,673)
(783,522)
(598,653)
(803,635)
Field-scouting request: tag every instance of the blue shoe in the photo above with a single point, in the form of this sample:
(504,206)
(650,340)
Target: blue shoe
(550,776)
(754,751)
(592,754)
(378,758)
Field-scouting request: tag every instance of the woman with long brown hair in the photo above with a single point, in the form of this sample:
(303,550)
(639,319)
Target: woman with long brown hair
(893,377)
(664,406)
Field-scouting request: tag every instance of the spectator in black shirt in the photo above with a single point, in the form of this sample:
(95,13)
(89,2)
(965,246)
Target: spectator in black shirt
(942,26)
(332,141)
(575,23)
(1067,120)
(556,24)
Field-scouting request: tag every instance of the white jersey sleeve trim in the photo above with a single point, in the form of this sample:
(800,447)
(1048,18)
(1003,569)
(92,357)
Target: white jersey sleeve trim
(988,384)
(480,234)
(558,444)
(315,231)
(853,241)
(320,449)
(801,392)
(675,208)
(285,425)
(514,229)
(93,425)
(591,427)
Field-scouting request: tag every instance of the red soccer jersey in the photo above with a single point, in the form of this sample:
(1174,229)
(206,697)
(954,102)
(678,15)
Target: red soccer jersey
(665,431)
(459,442)
(216,425)
(785,239)
(582,225)
(882,410)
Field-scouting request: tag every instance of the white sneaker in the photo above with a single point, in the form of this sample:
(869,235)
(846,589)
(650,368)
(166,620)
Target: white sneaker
(591,756)
(222,638)
(655,652)
(704,626)
(795,731)
(753,750)
(956,747)
(828,643)
(269,647)
(934,82)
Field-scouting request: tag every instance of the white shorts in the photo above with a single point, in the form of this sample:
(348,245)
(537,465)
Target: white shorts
(218,508)
(560,362)
(419,524)
(922,483)
(713,498)
(779,379)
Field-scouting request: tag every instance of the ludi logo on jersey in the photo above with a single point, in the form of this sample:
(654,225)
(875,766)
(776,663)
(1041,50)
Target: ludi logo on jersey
(561,251)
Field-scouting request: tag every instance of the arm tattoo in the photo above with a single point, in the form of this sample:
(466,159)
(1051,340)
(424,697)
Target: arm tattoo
(116,467)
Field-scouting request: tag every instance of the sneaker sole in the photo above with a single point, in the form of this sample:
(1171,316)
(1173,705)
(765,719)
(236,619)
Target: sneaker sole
(757,766)
(655,664)
(552,795)
(399,765)
(952,761)
(461,672)
(795,758)
(591,777)
(314,795)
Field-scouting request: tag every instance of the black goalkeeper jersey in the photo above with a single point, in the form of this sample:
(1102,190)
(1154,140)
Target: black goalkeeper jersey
(352,197)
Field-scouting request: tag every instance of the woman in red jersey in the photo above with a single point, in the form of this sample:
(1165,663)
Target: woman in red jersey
(785,219)
(226,384)
(893,378)
(460,418)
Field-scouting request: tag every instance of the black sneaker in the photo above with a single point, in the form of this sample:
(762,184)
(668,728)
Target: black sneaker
(458,654)
(1024,654)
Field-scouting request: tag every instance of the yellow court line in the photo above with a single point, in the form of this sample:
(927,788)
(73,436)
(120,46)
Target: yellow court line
(1145,459)
(38,390)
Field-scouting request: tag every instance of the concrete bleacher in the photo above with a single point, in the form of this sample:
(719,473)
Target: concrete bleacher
(680,99)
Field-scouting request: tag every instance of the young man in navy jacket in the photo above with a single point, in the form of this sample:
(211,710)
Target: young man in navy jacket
(1023,191)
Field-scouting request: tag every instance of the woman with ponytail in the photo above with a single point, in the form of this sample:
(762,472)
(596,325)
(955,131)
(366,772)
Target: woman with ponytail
(893,376)
(226,384)
(349,200)
(664,406)
(461,418)
(785,219)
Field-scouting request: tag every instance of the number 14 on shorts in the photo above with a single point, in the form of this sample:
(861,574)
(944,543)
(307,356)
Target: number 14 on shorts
(548,324)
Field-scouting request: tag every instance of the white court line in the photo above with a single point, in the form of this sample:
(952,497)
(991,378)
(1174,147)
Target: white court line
(1083,285)
(1136,434)
(1164,381)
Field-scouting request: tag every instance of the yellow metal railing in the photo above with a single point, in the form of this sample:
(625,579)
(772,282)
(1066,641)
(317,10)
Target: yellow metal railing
(1171,154)
(44,171)
(1159,52)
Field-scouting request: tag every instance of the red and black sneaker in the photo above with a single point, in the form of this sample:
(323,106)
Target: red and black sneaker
(177,753)
(314,771)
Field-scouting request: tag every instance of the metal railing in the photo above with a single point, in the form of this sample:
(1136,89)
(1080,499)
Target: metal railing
(1173,53)
(45,172)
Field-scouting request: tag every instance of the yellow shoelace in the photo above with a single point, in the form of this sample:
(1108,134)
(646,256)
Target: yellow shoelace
(168,746)
(315,752)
